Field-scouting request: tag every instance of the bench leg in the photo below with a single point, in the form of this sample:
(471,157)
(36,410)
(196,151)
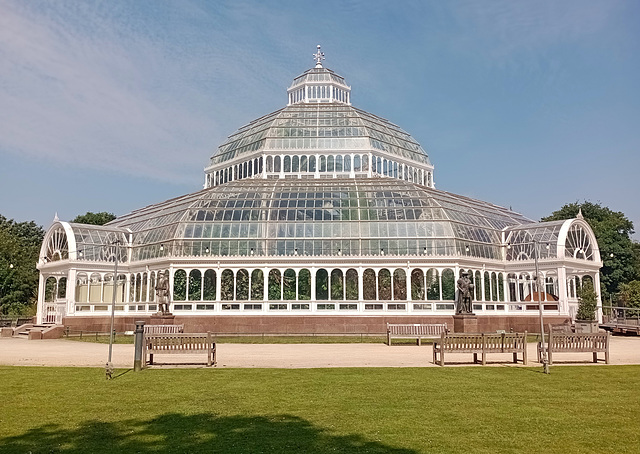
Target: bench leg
(475,358)
(515,358)
(595,357)
(606,356)
(550,357)
(524,355)
(484,358)
(418,342)
(151,358)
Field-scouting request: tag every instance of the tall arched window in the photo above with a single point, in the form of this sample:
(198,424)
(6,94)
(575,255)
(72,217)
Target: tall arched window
(322,285)
(195,285)
(227,285)
(477,285)
(369,285)
(209,288)
(351,284)
(242,285)
(144,290)
(323,164)
(312,163)
(304,163)
(273,289)
(448,285)
(304,285)
(433,285)
(417,285)
(337,285)
(494,287)
(257,285)
(287,163)
(82,288)
(289,285)
(487,286)
(330,163)
(399,285)
(347,163)
(62,288)
(384,284)
(339,163)
(295,164)
(269,164)
(95,288)
(501,287)
(50,289)
(357,166)
(180,285)
(276,164)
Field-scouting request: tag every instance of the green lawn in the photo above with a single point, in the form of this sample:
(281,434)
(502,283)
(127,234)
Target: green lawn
(576,409)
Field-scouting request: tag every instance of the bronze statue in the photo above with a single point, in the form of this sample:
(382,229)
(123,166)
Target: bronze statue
(162,293)
(465,294)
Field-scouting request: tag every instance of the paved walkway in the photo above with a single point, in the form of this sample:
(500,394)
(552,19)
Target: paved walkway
(61,352)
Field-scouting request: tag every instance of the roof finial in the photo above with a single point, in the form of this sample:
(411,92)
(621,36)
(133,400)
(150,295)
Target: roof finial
(318,56)
(580,216)
(55,218)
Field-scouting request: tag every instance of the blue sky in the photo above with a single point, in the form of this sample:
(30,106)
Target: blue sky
(115,105)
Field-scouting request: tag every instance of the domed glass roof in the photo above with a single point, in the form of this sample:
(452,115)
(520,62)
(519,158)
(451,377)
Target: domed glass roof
(347,216)
(324,126)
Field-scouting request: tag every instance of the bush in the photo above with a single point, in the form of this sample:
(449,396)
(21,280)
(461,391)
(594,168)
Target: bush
(587,302)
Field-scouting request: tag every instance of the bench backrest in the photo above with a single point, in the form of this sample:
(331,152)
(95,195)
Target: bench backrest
(179,341)
(491,341)
(578,342)
(459,341)
(510,341)
(163,329)
(417,329)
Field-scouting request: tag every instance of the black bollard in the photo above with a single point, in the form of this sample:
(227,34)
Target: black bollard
(138,339)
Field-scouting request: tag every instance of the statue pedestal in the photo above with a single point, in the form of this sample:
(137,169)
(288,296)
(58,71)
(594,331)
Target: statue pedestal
(465,323)
(159,319)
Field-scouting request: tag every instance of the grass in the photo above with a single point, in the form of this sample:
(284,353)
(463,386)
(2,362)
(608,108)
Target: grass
(576,409)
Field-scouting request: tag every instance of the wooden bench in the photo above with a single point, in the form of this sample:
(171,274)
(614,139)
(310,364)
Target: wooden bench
(180,343)
(576,343)
(415,330)
(481,344)
(163,329)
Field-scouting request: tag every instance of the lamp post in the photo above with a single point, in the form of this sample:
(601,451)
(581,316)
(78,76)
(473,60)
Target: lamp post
(545,358)
(109,365)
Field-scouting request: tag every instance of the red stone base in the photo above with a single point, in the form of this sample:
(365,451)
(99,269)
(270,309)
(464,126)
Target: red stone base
(465,323)
(308,324)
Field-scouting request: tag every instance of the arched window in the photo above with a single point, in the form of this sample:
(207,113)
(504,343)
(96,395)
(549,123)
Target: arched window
(524,287)
(365,163)
(138,287)
(433,285)
(50,289)
(339,163)
(209,287)
(322,285)
(287,163)
(351,284)
(494,287)
(369,285)
(323,164)
(501,287)
(330,163)
(551,288)
(145,288)
(180,285)
(257,285)
(347,163)
(312,163)
(276,164)
(512,282)
(289,285)
(62,288)
(304,285)
(357,166)
(385,167)
(82,288)
(227,285)
(417,285)
(250,168)
(95,288)
(242,285)
(295,164)
(269,164)
(195,285)
(304,163)
(337,285)
(399,285)
(384,284)
(273,289)
(487,286)
(477,285)
(448,285)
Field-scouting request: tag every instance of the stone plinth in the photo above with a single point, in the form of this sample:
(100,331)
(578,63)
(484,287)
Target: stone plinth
(465,323)
(157,319)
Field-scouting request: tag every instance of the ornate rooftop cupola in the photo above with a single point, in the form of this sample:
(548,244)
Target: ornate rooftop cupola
(319,85)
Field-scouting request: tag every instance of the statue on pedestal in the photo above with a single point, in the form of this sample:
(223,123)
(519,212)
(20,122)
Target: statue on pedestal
(465,294)
(162,293)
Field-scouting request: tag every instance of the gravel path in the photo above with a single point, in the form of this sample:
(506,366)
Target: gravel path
(61,352)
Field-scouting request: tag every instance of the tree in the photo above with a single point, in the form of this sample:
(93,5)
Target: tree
(587,302)
(94,218)
(629,295)
(613,231)
(20,244)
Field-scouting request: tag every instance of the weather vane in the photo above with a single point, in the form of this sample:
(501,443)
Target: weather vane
(318,56)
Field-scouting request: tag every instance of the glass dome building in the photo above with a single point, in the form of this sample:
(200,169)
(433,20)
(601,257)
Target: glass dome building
(319,217)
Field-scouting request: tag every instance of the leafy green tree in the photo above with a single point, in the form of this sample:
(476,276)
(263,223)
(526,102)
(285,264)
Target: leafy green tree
(587,302)
(629,295)
(94,218)
(613,231)
(20,244)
